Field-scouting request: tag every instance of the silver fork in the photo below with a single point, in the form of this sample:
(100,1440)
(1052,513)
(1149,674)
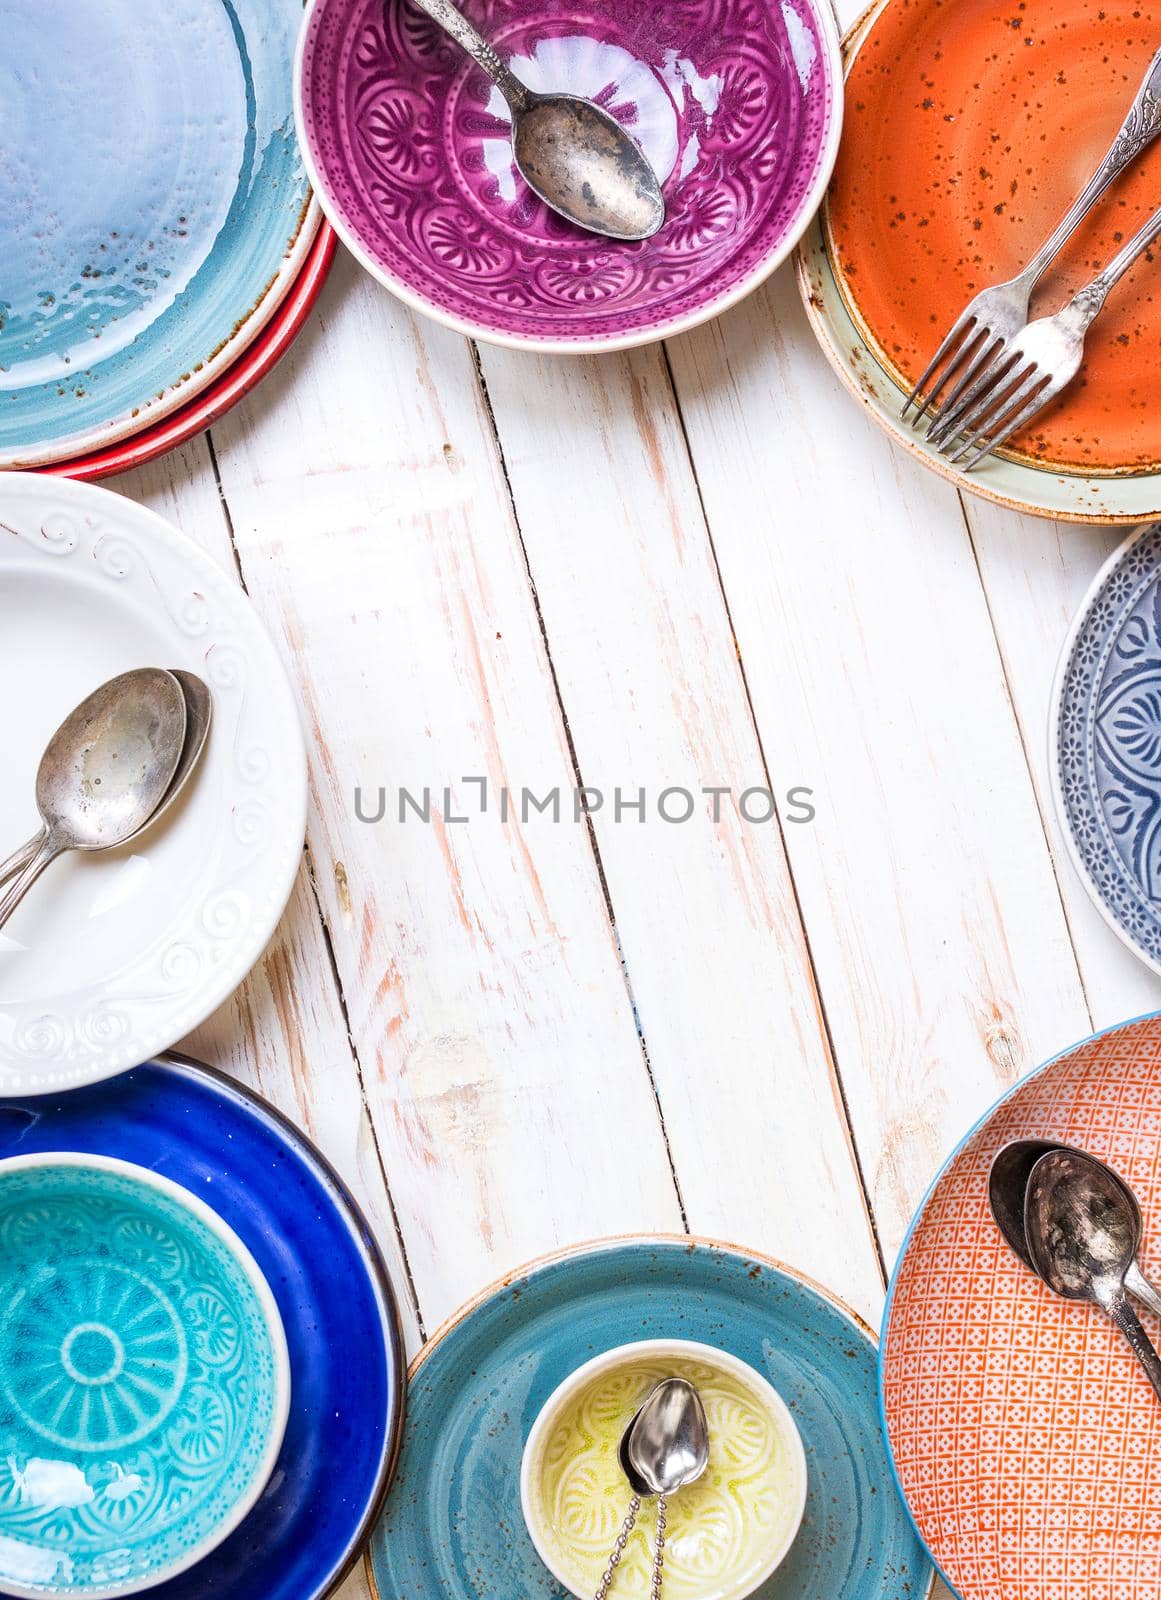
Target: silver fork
(1041,360)
(986,326)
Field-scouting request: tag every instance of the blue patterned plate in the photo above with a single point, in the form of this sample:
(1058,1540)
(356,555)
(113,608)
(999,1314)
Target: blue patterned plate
(453,1528)
(153,208)
(1105,743)
(144,1378)
(314,1250)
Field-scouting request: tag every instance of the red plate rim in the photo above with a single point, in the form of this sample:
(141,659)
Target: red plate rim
(250,368)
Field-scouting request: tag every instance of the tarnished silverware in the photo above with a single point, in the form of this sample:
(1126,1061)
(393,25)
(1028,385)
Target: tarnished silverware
(1008,1188)
(986,327)
(105,771)
(1083,1239)
(569,151)
(1035,366)
(199,707)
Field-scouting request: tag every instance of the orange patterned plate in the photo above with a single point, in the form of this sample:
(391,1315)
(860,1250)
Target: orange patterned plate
(1025,1437)
(971,126)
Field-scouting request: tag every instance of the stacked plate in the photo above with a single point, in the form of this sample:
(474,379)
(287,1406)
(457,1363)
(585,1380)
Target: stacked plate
(161,243)
(970,129)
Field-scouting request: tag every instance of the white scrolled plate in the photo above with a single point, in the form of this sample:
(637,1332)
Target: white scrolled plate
(114,957)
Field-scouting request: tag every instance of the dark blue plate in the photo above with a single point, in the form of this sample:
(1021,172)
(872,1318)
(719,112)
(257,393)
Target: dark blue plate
(454,1529)
(306,1233)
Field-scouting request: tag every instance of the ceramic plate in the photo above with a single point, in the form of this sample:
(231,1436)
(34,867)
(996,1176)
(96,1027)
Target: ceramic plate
(255,362)
(155,209)
(737,106)
(144,1378)
(304,1231)
(453,1528)
(948,179)
(1105,743)
(112,957)
(1026,1438)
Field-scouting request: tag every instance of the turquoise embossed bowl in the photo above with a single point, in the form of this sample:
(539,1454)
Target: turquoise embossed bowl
(144,1378)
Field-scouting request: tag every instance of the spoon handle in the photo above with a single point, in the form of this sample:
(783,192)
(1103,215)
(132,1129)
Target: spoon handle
(19,859)
(1141,1289)
(618,1549)
(1129,1323)
(659,1551)
(453,22)
(46,852)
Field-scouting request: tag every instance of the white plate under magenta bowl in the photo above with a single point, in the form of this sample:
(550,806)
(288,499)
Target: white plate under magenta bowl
(113,957)
(737,106)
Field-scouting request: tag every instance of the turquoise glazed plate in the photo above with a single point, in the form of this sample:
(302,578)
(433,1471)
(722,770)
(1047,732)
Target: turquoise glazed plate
(153,208)
(454,1529)
(144,1378)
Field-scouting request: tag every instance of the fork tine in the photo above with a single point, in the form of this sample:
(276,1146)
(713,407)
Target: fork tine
(1037,403)
(973,407)
(987,366)
(953,339)
(1031,383)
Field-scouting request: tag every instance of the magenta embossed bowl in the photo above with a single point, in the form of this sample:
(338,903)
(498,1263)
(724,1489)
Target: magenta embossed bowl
(737,103)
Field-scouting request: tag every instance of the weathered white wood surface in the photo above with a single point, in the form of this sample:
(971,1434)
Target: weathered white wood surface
(680,569)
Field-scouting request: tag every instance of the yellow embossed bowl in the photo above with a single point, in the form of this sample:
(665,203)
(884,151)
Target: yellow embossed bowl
(726,1533)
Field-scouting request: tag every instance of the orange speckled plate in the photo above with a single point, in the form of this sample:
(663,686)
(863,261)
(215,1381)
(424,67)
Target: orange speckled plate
(971,126)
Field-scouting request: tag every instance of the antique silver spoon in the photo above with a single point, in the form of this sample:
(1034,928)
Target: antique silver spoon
(1083,1239)
(199,708)
(570,152)
(105,771)
(668,1448)
(1008,1185)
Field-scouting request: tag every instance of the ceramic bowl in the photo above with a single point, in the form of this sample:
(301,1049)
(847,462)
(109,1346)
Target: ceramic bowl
(1025,1437)
(726,1533)
(407,143)
(144,1378)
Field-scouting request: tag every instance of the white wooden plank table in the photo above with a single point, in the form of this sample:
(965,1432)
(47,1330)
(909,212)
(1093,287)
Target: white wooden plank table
(691,567)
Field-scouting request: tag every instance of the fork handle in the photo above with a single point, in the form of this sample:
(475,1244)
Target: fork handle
(1140,127)
(1089,302)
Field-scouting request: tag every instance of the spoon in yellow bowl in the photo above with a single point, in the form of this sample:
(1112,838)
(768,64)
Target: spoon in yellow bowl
(664,1449)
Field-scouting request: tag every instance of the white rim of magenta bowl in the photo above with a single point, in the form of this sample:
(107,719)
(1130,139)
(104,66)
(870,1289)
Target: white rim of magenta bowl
(828,29)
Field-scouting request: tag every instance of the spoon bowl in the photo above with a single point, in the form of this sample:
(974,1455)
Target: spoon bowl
(106,770)
(668,1444)
(1083,1238)
(583,164)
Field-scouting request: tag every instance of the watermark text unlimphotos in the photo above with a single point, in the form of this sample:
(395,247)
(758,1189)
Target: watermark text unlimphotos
(674,804)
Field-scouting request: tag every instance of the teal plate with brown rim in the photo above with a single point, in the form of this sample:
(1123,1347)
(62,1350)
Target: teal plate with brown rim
(453,1528)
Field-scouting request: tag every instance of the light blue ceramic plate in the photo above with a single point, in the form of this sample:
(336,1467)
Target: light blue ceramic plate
(153,208)
(453,1528)
(144,1379)
(1105,743)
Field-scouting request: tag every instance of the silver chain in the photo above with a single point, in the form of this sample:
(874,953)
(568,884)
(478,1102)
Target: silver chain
(619,1548)
(659,1551)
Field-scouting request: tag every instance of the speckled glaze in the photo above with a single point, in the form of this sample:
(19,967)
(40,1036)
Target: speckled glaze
(453,1527)
(736,103)
(1105,743)
(144,1379)
(1026,1438)
(314,1249)
(970,129)
(153,208)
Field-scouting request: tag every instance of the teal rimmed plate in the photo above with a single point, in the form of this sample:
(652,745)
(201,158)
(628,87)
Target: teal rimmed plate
(453,1528)
(144,1378)
(153,209)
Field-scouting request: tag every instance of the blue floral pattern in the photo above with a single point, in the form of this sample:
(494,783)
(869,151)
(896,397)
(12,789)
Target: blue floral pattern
(1108,743)
(139,1395)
